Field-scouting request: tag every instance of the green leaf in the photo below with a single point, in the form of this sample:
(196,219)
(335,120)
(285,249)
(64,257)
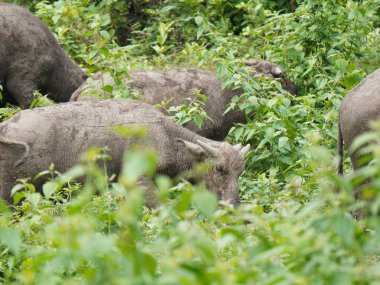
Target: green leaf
(41,174)
(16,188)
(351,81)
(50,187)
(74,172)
(198,20)
(3,207)
(238,133)
(200,31)
(11,238)
(132,131)
(17,197)
(282,142)
(198,121)
(321,82)
(106,20)
(105,34)
(345,228)
(150,262)
(33,198)
(206,202)
(157,49)
(104,51)
(362,140)
(272,102)
(56,18)
(119,188)
(341,64)
(139,163)
(107,88)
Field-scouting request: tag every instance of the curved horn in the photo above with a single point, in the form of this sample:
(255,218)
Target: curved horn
(208,148)
(237,147)
(245,150)
(250,62)
(276,71)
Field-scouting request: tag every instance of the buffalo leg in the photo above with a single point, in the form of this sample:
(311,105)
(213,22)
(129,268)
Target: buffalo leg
(150,191)
(22,91)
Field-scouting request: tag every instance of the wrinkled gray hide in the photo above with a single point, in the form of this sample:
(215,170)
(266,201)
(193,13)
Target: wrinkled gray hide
(177,84)
(33,139)
(359,107)
(31,59)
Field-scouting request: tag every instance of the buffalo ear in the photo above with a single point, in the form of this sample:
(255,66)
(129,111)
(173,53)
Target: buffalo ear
(196,151)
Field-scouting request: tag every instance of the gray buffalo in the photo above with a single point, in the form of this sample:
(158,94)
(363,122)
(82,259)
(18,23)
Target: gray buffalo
(174,85)
(359,107)
(31,59)
(33,139)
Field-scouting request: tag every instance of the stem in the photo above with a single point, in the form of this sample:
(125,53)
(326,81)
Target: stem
(109,195)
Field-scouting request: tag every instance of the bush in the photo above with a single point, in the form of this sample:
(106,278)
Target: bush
(293,227)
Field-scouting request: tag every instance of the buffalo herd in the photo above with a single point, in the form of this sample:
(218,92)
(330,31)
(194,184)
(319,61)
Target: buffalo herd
(32,60)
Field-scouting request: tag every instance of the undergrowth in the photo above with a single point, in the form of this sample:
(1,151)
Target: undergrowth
(294,225)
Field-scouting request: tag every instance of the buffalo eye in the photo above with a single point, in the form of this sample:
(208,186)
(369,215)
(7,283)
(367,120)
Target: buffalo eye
(220,169)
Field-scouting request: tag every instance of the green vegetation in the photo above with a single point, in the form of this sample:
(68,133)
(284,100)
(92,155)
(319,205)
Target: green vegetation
(294,226)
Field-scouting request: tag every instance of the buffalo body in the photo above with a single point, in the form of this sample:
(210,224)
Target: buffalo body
(31,59)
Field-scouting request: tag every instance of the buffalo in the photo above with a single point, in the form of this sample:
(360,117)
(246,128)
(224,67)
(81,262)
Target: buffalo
(58,134)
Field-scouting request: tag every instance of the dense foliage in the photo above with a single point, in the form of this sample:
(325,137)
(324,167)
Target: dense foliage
(294,226)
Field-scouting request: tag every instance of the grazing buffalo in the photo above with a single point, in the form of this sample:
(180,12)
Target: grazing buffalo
(31,59)
(33,139)
(175,85)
